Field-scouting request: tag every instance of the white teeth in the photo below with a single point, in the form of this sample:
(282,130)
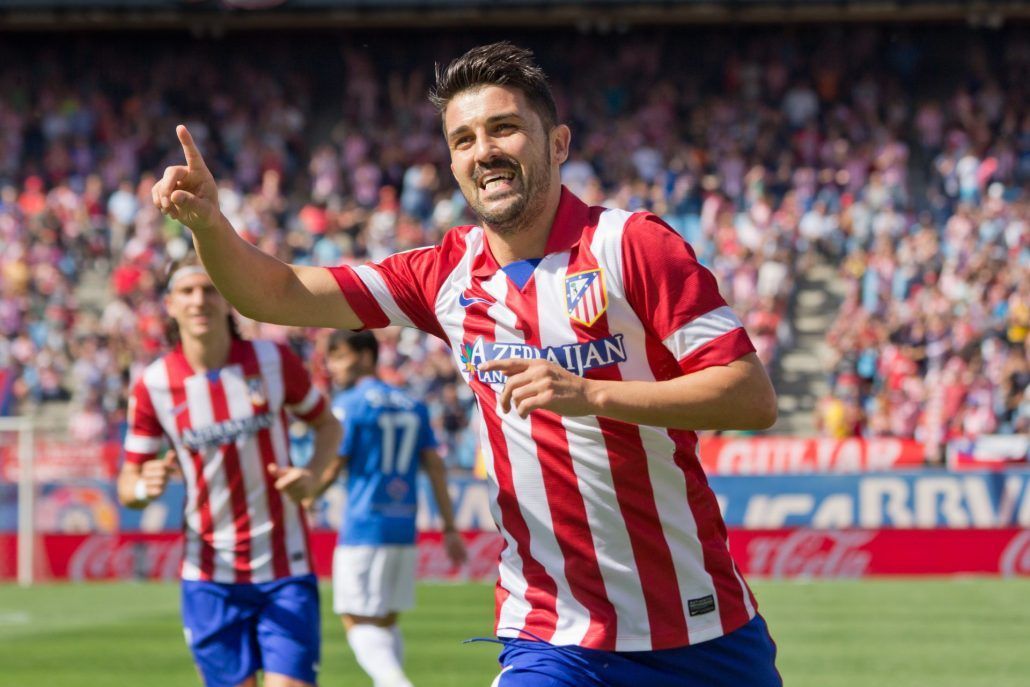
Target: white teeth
(489,180)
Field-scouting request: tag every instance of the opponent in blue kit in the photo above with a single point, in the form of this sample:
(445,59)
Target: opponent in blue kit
(386,439)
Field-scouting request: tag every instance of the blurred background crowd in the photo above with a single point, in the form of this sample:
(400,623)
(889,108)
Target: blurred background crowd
(899,159)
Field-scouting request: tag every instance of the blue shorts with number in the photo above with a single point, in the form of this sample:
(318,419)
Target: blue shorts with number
(745,657)
(235,630)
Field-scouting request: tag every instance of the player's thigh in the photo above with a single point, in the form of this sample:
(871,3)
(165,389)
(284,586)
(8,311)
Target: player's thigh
(279,680)
(373,580)
(219,622)
(289,632)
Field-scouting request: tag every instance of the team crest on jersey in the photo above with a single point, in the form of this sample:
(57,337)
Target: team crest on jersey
(586,299)
(256,389)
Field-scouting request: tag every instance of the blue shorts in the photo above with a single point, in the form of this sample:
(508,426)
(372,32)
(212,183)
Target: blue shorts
(235,630)
(744,658)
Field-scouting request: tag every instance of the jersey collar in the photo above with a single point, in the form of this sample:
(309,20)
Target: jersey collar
(569,222)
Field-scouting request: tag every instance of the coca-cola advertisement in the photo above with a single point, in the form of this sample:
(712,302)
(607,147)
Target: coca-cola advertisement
(782,554)
(157,556)
(805,553)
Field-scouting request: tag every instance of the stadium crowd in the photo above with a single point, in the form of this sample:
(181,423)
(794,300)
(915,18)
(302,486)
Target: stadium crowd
(771,151)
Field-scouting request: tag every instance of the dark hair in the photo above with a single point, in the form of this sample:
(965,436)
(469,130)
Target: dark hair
(172,335)
(356,341)
(497,64)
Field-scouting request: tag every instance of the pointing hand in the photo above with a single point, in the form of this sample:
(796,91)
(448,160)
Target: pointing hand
(188,193)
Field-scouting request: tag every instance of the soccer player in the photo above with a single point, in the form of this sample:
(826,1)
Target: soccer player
(386,438)
(249,598)
(596,345)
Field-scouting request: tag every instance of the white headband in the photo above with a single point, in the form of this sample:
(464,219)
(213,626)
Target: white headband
(185,271)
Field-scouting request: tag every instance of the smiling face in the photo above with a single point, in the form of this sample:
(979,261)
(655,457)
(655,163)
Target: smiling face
(504,161)
(197,307)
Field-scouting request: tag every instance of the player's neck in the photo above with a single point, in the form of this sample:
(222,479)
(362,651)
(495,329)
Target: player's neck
(209,352)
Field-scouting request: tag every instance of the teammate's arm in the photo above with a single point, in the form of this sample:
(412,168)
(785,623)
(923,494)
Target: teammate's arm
(141,483)
(258,285)
(734,396)
(303,483)
(436,471)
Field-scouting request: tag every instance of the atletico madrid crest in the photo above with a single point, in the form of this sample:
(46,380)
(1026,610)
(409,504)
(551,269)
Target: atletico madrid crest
(586,299)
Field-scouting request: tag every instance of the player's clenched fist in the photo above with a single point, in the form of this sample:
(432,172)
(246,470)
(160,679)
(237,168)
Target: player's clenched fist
(188,193)
(297,483)
(154,476)
(542,384)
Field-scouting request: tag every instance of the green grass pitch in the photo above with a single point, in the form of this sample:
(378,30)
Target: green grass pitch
(879,633)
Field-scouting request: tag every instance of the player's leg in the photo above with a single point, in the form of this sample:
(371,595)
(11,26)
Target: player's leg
(289,632)
(370,586)
(219,624)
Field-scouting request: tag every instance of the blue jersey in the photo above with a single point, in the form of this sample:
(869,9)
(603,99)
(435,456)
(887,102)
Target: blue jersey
(384,434)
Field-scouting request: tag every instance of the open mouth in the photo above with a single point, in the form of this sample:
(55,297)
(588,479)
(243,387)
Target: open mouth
(494,180)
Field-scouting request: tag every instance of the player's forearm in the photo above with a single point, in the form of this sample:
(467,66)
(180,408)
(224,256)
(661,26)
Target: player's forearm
(437,474)
(737,396)
(254,282)
(325,464)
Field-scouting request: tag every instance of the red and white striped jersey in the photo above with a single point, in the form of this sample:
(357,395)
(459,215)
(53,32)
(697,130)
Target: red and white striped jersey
(227,426)
(613,538)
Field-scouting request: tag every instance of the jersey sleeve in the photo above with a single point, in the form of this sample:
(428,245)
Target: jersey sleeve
(399,290)
(302,398)
(677,298)
(145,435)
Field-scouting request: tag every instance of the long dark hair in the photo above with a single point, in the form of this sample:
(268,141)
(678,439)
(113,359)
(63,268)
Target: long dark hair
(172,335)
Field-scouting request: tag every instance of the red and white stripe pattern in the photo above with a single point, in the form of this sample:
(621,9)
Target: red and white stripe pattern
(613,539)
(226,427)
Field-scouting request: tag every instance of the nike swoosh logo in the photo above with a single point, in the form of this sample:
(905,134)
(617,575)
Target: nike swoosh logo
(466,302)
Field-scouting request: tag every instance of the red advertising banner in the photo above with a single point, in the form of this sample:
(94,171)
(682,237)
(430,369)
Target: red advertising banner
(157,556)
(55,461)
(784,553)
(776,455)
(791,553)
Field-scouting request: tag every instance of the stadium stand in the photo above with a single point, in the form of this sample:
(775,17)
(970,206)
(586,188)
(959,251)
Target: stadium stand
(884,150)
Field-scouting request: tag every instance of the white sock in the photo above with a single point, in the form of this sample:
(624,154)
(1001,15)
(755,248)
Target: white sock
(377,651)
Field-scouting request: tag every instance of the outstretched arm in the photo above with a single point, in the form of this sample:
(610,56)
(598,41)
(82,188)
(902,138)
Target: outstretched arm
(258,285)
(734,396)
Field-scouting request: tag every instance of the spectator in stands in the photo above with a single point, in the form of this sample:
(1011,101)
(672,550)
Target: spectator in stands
(768,145)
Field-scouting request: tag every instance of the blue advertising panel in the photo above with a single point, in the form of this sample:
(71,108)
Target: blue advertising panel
(916,499)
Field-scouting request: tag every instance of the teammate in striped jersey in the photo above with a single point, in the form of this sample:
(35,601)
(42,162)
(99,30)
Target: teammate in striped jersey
(596,345)
(249,598)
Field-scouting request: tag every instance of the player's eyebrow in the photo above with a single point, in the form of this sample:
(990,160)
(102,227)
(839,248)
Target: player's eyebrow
(493,119)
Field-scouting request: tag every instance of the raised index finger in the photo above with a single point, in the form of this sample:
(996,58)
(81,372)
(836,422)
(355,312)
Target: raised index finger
(194,160)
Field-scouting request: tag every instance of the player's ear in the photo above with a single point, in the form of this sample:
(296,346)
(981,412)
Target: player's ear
(561,138)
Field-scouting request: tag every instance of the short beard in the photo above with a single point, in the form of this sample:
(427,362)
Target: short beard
(518,217)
